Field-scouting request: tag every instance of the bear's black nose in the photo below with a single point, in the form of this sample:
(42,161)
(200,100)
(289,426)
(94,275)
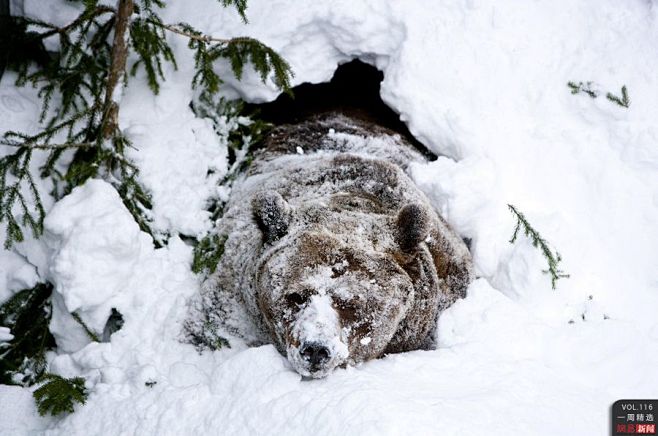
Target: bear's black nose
(316,354)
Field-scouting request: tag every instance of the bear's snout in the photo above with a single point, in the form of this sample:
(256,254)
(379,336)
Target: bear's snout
(316,344)
(316,354)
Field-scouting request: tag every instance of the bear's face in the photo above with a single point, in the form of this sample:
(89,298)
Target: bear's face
(328,304)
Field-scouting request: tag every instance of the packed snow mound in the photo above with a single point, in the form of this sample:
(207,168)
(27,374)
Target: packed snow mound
(482,83)
(79,259)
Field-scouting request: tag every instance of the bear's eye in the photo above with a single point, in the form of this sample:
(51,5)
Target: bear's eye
(296,298)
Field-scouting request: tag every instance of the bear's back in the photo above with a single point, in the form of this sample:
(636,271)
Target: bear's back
(339,174)
(336,133)
(342,177)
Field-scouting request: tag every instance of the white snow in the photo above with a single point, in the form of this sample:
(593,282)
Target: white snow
(85,268)
(18,414)
(481,82)
(5,335)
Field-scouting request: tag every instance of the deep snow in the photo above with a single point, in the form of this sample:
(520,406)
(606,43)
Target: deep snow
(481,82)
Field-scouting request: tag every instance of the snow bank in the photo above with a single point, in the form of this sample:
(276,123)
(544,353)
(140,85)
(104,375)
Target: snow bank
(88,232)
(18,414)
(481,82)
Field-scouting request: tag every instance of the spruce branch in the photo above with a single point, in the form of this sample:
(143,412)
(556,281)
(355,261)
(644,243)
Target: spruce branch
(238,50)
(579,87)
(84,75)
(84,78)
(150,43)
(208,253)
(187,31)
(27,314)
(58,394)
(83,19)
(240,5)
(64,146)
(624,101)
(264,60)
(19,197)
(538,242)
(576,88)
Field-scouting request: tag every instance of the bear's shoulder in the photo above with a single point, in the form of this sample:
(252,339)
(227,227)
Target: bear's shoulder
(336,133)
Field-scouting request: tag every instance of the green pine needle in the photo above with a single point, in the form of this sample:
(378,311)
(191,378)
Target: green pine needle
(208,253)
(90,333)
(623,101)
(240,5)
(27,315)
(149,41)
(76,78)
(579,87)
(58,395)
(538,242)
(586,88)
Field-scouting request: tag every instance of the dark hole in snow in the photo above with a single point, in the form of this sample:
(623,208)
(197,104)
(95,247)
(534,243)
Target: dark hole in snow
(353,90)
(113,324)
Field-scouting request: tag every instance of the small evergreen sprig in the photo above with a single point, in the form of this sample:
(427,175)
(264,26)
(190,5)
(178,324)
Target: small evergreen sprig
(204,334)
(58,394)
(624,101)
(579,87)
(208,253)
(538,242)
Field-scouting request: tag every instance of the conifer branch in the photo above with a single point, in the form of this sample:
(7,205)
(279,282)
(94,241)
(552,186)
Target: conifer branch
(180,30)
(19,197)
(238,51)
(58,395)
(538,242)
(240,5)
(208,253)
(83,18)
(27,314)
(579,87)
(624,101)
(84,77)
(150,43)
(45,146)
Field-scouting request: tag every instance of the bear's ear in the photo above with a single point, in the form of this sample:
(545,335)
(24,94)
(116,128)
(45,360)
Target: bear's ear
(272,213)
(412,226)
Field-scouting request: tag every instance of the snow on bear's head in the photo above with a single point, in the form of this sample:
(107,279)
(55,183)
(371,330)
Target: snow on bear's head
(326,302)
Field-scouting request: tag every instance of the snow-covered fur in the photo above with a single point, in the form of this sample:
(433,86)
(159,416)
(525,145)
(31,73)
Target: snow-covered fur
(332,252)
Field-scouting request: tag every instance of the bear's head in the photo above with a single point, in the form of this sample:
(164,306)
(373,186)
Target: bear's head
(328,302)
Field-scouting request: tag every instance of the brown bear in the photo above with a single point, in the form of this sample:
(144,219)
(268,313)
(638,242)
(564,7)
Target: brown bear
(332,251)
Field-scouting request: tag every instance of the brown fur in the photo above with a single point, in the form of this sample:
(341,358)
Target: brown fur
(337,246)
